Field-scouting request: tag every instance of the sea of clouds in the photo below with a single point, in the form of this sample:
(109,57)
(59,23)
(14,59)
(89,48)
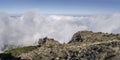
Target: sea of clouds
(26,29)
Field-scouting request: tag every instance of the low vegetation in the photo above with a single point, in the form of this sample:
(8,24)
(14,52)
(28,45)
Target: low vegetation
(18,51)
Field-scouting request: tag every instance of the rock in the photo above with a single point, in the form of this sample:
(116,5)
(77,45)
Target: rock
(4,56)
(47,42)
(117,57)
(42,41)
(76,38)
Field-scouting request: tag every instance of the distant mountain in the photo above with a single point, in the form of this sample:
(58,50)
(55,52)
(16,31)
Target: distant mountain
(84,45)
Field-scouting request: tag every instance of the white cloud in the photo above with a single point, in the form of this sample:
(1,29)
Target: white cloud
(27,28)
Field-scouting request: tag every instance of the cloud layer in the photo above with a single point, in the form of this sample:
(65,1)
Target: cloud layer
(27,28)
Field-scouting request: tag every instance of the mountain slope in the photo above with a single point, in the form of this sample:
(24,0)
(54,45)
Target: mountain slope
(84,45)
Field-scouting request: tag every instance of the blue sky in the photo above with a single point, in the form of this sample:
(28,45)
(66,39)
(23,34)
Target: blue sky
(61,6)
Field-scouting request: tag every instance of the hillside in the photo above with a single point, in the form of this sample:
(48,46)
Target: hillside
(84,45)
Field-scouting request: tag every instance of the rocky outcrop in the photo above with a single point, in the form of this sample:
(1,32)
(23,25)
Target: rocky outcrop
(84,45)
(76,38)
(47,42)
(42,41)
(89,36)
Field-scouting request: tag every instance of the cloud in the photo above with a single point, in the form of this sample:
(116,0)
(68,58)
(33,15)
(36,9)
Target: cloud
(27,28)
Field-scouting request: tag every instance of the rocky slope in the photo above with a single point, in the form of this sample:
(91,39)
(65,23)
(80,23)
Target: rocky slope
(84,45)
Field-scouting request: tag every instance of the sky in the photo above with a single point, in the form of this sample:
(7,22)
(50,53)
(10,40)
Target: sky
(61,6)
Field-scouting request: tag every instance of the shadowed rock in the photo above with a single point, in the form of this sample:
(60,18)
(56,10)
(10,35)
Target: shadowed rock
(47,42)
(76,38)
(42,41)
(8,57)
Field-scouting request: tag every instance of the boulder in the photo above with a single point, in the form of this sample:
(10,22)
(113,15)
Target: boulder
(76,38)
(42,41)
(47,42)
